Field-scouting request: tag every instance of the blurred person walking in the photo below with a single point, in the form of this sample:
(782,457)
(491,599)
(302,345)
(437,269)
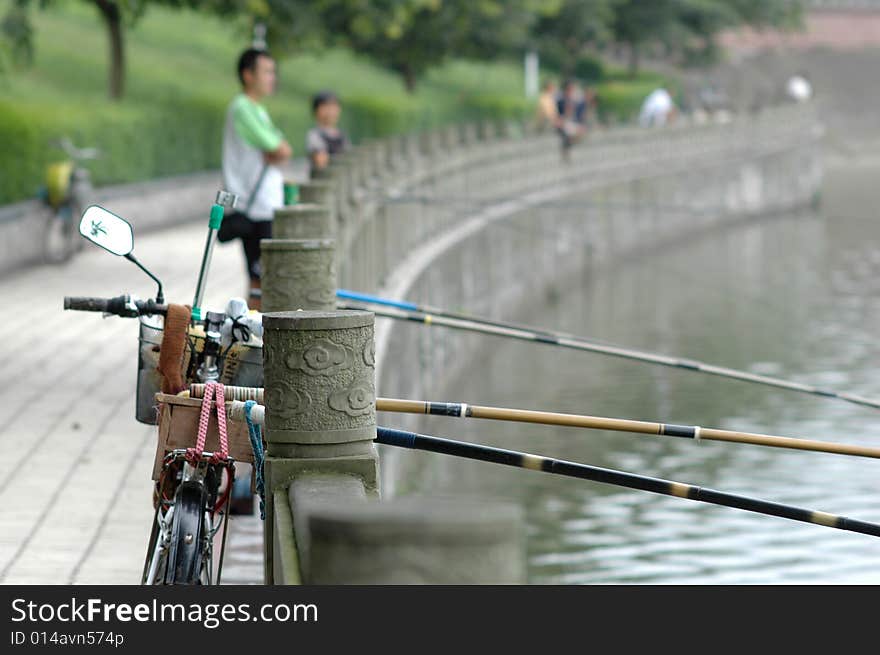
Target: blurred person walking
(253,150)
(325,139)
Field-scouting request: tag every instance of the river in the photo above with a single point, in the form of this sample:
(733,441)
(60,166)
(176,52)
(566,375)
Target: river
(795,296)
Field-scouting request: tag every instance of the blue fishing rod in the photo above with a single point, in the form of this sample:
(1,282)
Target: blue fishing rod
(427,315)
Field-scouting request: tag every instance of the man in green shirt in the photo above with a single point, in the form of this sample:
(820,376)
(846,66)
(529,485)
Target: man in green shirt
(253,148)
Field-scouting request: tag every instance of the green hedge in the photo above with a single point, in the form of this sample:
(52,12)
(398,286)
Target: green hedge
(167,138)
(19,167)
(372,116)
(173,136)
(377,116)
(621,102)
(500,107)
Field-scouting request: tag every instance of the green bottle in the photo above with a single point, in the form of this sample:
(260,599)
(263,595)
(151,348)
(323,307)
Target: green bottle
(291,193)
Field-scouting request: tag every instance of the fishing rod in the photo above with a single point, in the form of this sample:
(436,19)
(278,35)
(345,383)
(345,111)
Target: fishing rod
(346,294)
(695,432)
(415,441)
(419,314)
(465,410)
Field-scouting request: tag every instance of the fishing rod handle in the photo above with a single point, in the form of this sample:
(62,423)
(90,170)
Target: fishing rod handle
(230,392)
(235,411)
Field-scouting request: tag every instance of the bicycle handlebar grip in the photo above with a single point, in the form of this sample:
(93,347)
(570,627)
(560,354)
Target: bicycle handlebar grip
(86,304)
(150,307)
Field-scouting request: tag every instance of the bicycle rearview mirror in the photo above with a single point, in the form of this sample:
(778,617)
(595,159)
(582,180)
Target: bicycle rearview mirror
(106,229)
(113,234)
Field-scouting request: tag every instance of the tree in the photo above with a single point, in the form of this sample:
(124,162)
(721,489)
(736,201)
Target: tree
(693,25)
(564,36)
(16,31)
(409,36)
(116,16)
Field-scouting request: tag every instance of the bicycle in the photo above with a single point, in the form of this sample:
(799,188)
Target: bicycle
(192,494)
(67,193)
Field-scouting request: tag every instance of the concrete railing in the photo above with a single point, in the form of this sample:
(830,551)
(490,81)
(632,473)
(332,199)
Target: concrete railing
(477,217)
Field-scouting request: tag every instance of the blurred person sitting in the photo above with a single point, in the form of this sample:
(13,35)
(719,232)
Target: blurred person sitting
(325,139)
(253,148)
(657,109)
(571,107)
(546,113)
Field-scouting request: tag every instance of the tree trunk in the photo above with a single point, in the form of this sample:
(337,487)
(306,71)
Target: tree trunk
(568,65)
(573,49)
(633,59)
(409,78)
(112,16)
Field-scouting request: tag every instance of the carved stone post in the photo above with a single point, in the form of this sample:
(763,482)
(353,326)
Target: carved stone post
(316,192)
(320,395)
(303,221)
(319,370)
(451,137)
(298,274)
(469,134)
(427,143)
(488,130)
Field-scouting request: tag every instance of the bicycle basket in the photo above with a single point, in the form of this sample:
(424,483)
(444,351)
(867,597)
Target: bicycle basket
(179,428)
(242,366)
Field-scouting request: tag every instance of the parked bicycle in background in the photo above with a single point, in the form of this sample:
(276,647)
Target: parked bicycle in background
(67,193)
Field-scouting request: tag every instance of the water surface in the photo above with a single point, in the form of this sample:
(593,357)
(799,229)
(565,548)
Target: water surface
(794,296)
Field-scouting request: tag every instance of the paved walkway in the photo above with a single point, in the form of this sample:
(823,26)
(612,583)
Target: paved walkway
(75,488)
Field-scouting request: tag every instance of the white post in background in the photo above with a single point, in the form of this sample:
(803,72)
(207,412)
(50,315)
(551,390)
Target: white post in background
(531,74)
(259,40)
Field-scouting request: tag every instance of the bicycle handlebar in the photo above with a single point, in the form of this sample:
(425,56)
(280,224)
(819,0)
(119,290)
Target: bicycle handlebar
(76,153)
(120,306)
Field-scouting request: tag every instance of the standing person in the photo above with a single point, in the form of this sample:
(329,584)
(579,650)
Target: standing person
(571,107)
(325,139)
(546,113)
(253,148)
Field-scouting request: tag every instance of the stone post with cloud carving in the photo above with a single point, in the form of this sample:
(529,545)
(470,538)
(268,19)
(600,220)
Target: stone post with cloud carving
(298,274)
(320,392)
(320,426)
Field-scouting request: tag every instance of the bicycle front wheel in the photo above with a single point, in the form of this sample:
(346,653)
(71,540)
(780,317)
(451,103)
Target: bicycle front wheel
(188,550)
(155,559)
(58,235)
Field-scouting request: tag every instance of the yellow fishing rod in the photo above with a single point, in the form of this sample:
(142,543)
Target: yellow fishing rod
(693,432)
